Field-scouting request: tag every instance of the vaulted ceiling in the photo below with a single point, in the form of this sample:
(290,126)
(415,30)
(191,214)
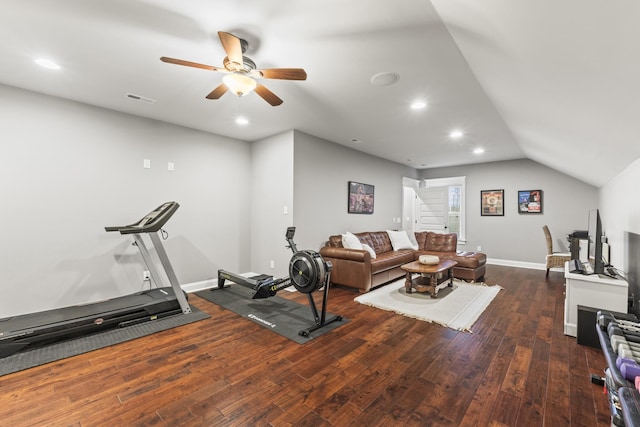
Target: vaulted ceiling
(553,81)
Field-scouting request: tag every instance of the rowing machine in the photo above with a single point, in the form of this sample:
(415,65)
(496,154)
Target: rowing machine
(308,272)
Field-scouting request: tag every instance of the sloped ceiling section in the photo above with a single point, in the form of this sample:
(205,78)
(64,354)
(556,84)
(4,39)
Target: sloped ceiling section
(564,76)
(552,81)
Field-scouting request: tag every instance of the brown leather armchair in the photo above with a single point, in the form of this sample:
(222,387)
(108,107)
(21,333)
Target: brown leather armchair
(471,265)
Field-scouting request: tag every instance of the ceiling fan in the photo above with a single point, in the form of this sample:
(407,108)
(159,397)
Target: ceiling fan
(242,72)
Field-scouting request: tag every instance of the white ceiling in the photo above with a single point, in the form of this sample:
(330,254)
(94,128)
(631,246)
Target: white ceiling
(553,81)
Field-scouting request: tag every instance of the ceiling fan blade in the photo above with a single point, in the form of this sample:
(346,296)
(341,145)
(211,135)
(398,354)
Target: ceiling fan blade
(267,95)
(232,47)
(190,64)
(284,73)
(218,92)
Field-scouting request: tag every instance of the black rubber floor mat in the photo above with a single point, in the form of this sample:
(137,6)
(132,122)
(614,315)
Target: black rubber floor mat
(280,315)
(72,347)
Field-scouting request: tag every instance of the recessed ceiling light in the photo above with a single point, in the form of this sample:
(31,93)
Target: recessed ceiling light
(47,63)
(418,105)
(242,121)
(456,134)
(478,150)
(385,78)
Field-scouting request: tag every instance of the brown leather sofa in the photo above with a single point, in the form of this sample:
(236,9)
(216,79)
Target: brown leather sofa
(356,269)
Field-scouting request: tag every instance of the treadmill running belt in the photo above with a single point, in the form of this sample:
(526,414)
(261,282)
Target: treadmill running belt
(70,313)
(44,327)
(86,343)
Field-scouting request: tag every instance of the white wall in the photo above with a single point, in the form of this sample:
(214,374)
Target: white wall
(309,177)
(271,192)
(519,237)
(68,170)
(620,211)
(322,171)
(620,214)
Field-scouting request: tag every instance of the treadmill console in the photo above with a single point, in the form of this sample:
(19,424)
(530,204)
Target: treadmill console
(151,222)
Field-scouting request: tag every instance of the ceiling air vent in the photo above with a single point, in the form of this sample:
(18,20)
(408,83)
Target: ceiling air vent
(140,98)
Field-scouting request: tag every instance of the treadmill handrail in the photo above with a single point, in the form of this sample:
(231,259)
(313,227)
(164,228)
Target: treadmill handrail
(151,222)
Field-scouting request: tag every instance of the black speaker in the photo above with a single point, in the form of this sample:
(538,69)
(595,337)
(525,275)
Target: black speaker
(587,319)
(587,334)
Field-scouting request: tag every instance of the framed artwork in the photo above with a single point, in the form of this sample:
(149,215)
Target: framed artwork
(530,201)
(492,202)
(361,198)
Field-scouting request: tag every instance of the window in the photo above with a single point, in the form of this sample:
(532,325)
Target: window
(455,209)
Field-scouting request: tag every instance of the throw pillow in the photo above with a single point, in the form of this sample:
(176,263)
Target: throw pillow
(350,241)
(412,238)
(399,240)
(370,250)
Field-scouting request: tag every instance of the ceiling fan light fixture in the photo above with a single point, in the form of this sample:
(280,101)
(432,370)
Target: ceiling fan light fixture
(241,72)
(239,83)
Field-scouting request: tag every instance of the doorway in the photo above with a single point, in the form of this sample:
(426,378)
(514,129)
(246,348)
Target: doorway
(435,205)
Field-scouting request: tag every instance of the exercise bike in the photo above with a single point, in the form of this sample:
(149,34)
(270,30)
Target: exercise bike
(308,272)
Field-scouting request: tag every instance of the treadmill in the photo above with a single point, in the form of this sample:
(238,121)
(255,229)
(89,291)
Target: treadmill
(32,330)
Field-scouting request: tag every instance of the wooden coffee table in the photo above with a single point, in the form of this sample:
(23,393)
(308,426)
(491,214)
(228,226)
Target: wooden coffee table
(430,278)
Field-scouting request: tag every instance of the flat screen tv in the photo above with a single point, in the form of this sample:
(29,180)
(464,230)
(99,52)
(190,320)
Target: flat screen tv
(633,270)
(594,250)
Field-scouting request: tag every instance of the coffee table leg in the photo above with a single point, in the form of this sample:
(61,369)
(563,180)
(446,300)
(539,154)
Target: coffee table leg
(407,283)
(433,280)
(450,272)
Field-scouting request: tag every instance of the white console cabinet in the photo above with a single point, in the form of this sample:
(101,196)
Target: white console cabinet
(596,291)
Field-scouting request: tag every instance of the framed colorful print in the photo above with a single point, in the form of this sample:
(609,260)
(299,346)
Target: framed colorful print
(361,197)
(530,201)
(492,202)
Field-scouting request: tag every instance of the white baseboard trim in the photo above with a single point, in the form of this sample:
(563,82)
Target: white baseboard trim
(199,286)
(520,264)
(207,284)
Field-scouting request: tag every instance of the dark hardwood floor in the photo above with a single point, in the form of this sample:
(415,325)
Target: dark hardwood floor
(517,368)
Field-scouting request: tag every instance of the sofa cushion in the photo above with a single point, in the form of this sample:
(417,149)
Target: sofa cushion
(391,259)
(430,241)
(335,241)
(414,242)
(370,250)
(421,238)
(470,259)
(350,241)
(378,240)
(400,240)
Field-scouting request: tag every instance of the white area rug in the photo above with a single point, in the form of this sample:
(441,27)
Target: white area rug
(457,308)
